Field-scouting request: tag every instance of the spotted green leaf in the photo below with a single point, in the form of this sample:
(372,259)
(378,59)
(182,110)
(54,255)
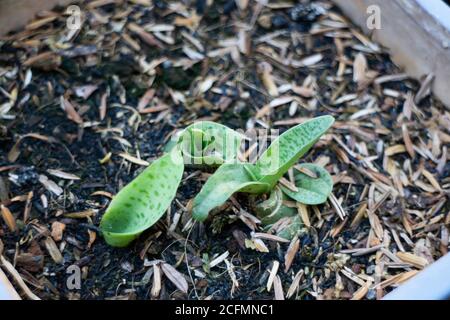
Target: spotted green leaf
(143,201)
(285,151)
(311,190)
(228,179)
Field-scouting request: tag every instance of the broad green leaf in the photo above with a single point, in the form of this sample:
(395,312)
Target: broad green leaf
(285,151)
(228,179)
(311,190)
(273,209)
(143,201)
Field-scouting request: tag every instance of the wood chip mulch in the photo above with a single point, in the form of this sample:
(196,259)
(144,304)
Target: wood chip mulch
(82,112)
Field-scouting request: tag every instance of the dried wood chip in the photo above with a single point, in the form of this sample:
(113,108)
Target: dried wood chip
(306,171)
(103,105)
(80,214)
(273,273)
(99,3)
(156,286)
(359,68)
(72,114)
(134,160)
(268,236)
(295,283)
(425,88)
(338,228)
(36,24)
(57,230)
(219,259)
(337,206)
(27,210)
(4,191)
(407,140)
(265,70)
(148,38)
(145,99)
(397,279)
(410,258)
(361,292)
(206,84)
(398,148)
(50,185)
(191,22)
(46,60)
(8,218)
(63,175)
(175,277)
(427,174)
(291,253)
(304,214)
(92,237)
(278,288)
(53,250)
(359,215)
(307,61)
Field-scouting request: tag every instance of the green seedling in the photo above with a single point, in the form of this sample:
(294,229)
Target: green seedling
(262,176)
(144,200)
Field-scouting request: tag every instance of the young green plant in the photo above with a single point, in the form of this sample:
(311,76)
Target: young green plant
(262,176)
(144,200)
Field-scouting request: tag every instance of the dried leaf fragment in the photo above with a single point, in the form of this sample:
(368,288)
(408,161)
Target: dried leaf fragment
(398,148)
(156,286)
(8,218)
(103,105)
(144,35)
(175,277)
(134,160)
(72,114)
(278,288)
(80,214)
(291,253)
(273,273)
(359,68)
(295,283)
(50,185)
(63,175)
